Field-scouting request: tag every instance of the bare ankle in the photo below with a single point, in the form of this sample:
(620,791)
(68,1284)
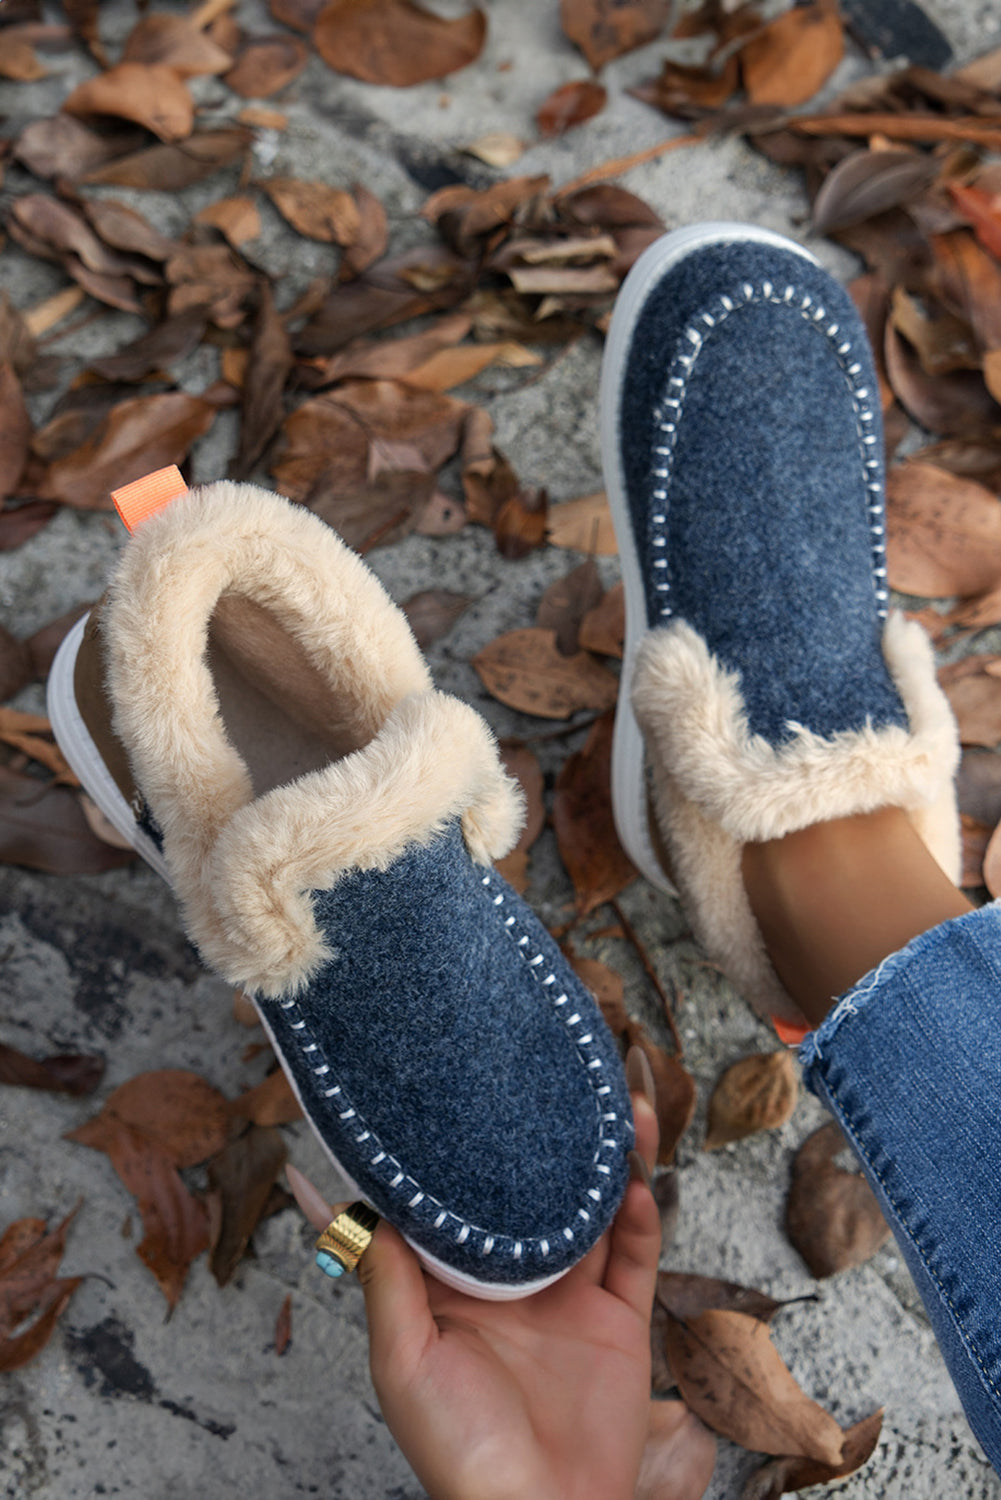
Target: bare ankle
(835,899)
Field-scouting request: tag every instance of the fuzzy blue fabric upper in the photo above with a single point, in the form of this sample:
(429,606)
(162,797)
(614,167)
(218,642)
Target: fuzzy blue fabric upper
(772,499)
(457,1069)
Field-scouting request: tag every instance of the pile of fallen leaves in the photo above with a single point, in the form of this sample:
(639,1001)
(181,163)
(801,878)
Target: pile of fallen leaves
(345,401)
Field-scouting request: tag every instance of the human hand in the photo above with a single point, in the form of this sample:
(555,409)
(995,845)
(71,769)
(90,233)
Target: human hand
(547,1395)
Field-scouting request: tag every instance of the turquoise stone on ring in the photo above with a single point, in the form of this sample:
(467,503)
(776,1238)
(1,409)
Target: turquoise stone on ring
(329,1264)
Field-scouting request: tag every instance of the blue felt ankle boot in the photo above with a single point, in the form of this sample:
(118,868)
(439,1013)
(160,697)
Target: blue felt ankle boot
(251,709)
(766,686)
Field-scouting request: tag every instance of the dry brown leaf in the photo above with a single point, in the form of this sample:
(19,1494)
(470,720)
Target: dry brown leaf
(943,342)
(153,96)
(30,1288)
(689,92)
(589,846)
(184,1114)
(300,15)
(15,431)
(975,698)
(982,211)
(523,765)
(371,235)
(263,384)
(124,229)
(15,664)
(43,645)
(968,280)
(43,828)
(212,278)
(63,1073)
(976,838)
(584,525)
(168,169)
(168,341)
(789,59)
(271,1102)
(393,359)
(432,613)
(243,1176)
(978,786)
(607,987)
(957,404)
(396,41)
(315,209)
(603,628)
(283,1326)
(520,522)
(564,281)
(566,601)
(19,523)
(32,735)
(943,533)
(675,1093)
(569,105)
(375,512)
(259,117)
(65,147)
(237,218)
(139,436)
(757,1093)
(866,183)
(49,227)
(324,443)
(266,64)
(178,42)
(447,368)
(175,1223)
(525,670)
(732,1376)
(605,29)
(51,1303)
(18,58)
(991,869)
(787,1476)
(685,1294)
(498,148)
(832,1216)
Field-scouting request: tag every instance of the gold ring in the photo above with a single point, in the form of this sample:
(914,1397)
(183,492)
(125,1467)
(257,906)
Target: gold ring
(345,1239)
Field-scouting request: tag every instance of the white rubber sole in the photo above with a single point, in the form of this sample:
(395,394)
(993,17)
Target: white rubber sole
(88,764)
(629,793)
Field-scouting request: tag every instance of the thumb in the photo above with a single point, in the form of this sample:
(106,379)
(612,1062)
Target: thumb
(400,1324)
(396,1300)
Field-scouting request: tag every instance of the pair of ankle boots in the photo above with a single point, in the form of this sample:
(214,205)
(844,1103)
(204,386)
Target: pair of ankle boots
(251,710)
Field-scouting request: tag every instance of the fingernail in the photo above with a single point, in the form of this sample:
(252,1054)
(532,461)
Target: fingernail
(638,1170)
(639,1075)
(310,1199)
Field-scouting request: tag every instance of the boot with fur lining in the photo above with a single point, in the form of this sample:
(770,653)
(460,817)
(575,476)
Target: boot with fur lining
(327,821)
(766,687)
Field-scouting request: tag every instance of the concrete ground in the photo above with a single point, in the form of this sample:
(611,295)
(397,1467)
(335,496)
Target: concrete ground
(124,1402)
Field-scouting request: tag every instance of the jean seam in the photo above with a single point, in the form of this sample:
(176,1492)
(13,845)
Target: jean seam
(965,1337)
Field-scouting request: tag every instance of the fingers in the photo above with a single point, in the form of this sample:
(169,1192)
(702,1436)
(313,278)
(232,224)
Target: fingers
(634,1250)
(400,1323)
(639,1076)
(634,1243)
(312,1202)
(396,1301)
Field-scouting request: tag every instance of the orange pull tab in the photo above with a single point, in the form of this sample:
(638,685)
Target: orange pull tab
(791,1033)
(137,501)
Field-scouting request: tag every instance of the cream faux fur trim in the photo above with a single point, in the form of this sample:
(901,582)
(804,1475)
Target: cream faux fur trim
(716,786)
(242,868)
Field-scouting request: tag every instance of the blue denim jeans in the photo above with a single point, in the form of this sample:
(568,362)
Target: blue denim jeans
(909,1062)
